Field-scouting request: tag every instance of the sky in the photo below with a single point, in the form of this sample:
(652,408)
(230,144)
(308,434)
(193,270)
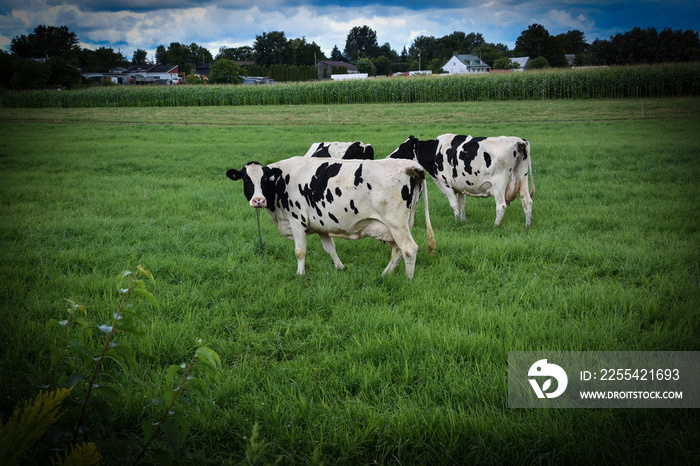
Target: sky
(127,25)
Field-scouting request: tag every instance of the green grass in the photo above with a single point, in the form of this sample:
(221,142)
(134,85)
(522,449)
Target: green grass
(362,367)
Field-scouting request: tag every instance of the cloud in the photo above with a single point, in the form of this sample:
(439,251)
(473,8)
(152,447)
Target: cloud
(145,24)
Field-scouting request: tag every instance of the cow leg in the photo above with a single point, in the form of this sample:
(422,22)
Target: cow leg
(395,258)
(526,200)
(499,194)
(452,198)
(300,249)
(403,246)
(461,201)
(329,247)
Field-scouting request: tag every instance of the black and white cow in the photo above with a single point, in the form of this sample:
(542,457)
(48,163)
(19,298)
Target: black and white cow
(475,166)
(341,150)
(340,198)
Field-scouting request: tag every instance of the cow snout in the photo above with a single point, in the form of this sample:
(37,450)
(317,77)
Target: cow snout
(258,202)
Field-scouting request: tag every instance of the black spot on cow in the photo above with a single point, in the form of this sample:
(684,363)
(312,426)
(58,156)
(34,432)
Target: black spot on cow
(487,159)
(315,190)
(352,206)
(332,217)
(407,191)
(407,195)
(294,214)
(369,186)
(329,196)
(427,156)
(274,188)
(338,192)
(358,176)
(469,152)
(451,153)
(322,151)
(522,147)
(298,205)
(407,150)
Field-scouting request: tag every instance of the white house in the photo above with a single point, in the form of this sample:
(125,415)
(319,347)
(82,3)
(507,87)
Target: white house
(465,64)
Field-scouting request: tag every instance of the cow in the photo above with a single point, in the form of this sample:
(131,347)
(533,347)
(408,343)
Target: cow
(341,150)
(475,166)
(340,198)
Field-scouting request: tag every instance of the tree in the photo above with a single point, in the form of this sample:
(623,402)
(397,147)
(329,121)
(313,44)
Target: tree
(101,60)
(382,65)
(458,42)
(426,47)
(505,63)
(63,74)
(226,71)
(139,57)
(365,65)
(535,42)
(303,53)
(644,46)
(271,49)
(199,54)
(538,64)
(179,54)
(361,43)
(29,74)
(244,53)
(161,55)
(336,55)
(47,42)
(573,42)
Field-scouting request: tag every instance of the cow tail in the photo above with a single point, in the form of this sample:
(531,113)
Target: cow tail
(428,226)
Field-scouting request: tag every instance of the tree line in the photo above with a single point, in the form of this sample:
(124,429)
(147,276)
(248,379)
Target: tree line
(51,56)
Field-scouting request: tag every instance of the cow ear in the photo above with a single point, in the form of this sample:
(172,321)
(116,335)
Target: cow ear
(234,174)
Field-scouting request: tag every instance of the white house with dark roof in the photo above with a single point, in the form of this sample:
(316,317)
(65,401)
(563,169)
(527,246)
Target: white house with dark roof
(468,63)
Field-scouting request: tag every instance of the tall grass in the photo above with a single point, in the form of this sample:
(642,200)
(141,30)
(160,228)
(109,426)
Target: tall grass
(358,367)
(616,82)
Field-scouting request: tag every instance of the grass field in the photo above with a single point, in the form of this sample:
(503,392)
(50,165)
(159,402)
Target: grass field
(352,366)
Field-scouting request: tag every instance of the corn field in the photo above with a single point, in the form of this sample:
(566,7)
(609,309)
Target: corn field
(671,80)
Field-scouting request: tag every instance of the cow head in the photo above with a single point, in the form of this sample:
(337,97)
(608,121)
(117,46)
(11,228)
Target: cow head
(258,183)
(407,150)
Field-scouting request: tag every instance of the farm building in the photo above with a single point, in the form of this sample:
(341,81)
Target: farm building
(139,74)
(329,65)
(460,64)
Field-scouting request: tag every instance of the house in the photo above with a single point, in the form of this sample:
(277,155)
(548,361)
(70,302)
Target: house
(152,74)
(465,64)
(329,65)
(522,61)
